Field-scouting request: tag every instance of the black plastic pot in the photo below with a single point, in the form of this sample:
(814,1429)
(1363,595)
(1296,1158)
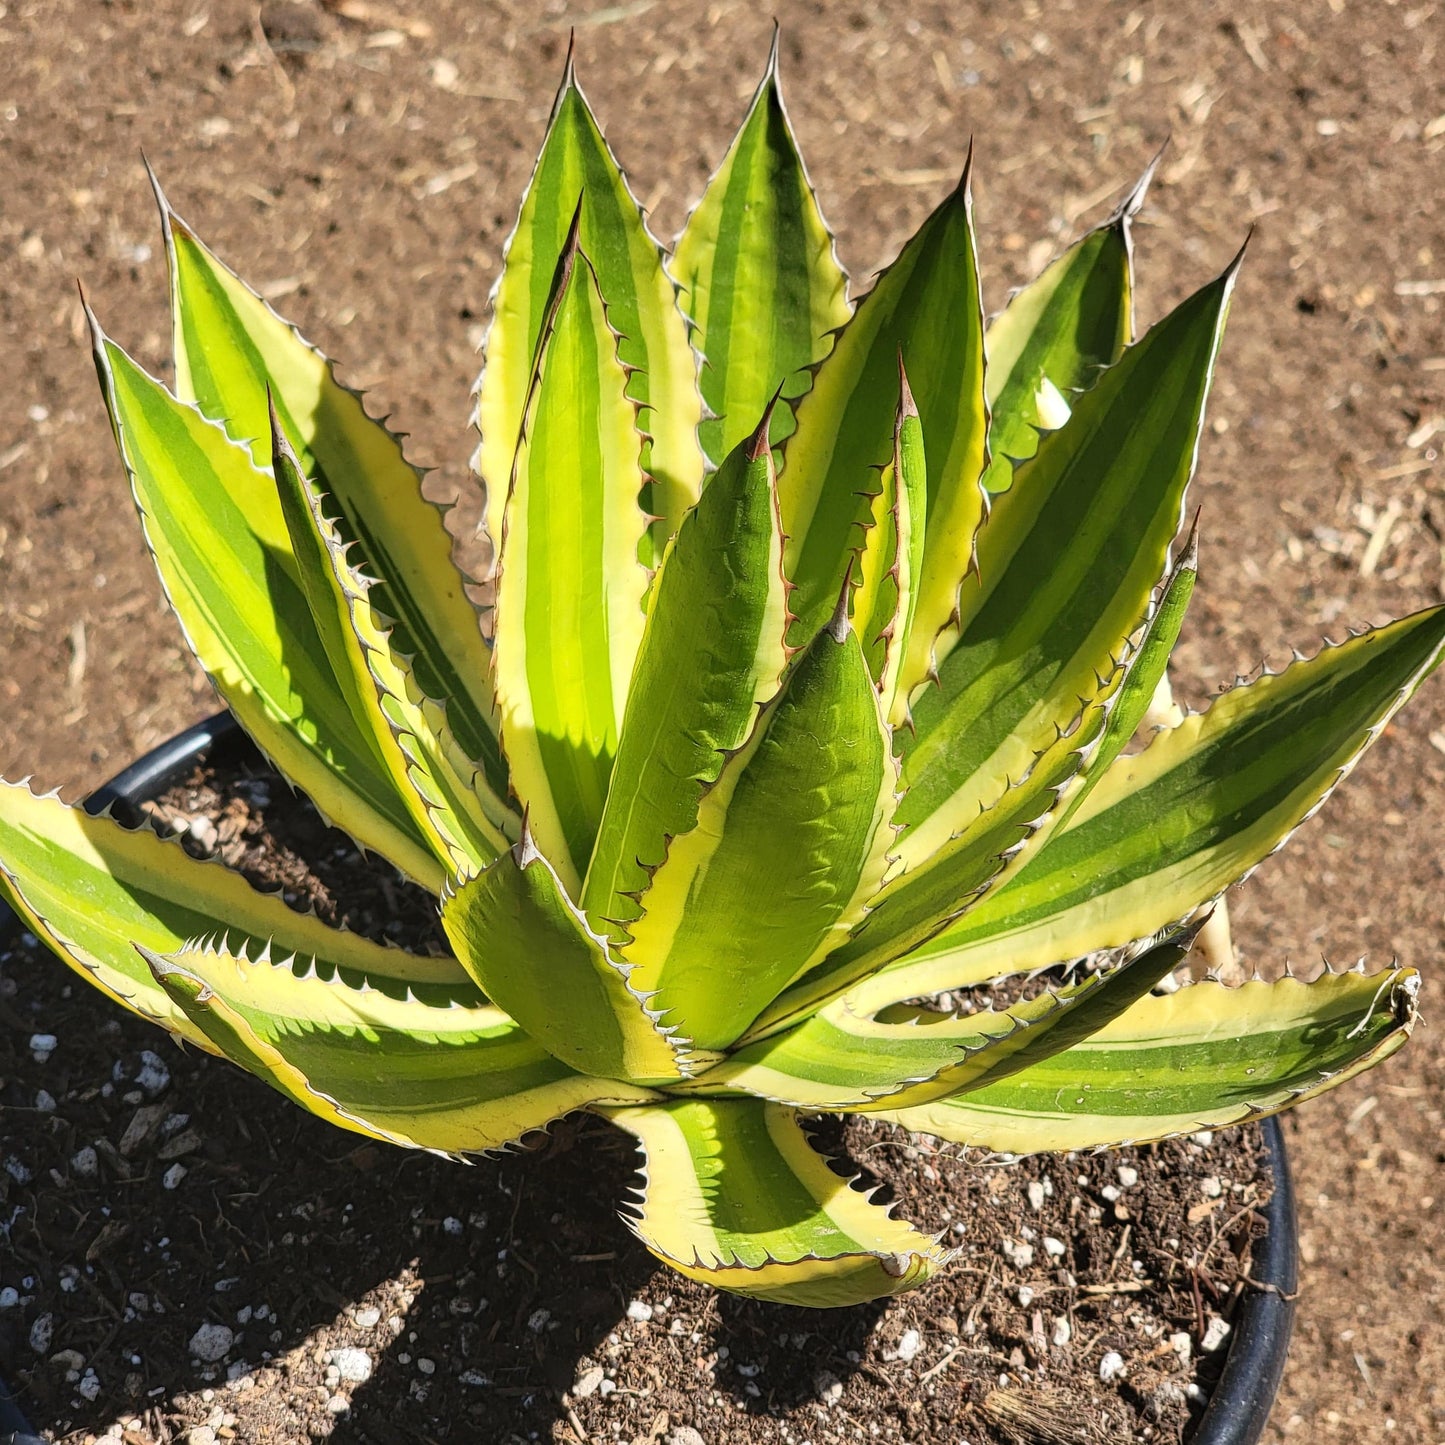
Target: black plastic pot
(1241,1402)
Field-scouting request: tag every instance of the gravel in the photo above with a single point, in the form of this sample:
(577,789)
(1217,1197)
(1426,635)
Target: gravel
(212,1343)
(352,1365)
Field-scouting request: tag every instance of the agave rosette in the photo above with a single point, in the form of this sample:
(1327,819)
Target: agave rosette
(818,641)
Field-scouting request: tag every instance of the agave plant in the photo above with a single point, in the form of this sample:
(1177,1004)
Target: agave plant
(817,649)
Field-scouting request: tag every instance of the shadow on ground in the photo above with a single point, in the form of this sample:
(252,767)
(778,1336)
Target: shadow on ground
(478,1293)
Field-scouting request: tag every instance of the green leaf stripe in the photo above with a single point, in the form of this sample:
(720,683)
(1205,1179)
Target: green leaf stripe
(798,818)
(839,1060)
(1067,562)
(528,947)
(207,511)
(569,612)
(758,278)
(1203,1057)
(1056,335)
(713,651)
(1168,829)
(576,167)
(926,307)
(232,353)
(92,889)
(454,1078)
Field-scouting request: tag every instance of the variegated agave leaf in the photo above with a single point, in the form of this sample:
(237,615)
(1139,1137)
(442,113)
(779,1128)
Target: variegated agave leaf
(820,637)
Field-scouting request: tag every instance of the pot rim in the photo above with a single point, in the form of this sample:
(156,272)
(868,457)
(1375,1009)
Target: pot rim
(1240,1404)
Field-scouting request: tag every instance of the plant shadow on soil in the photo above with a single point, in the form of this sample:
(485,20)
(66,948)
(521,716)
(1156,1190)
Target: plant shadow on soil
(492,1284)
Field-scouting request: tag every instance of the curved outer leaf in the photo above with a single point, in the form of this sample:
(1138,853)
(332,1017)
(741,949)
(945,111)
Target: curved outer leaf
(839,1060)
(736,1197)
(1066,563)
(758,277)
(569,616)
(1055,336)
(574,163)
(891,564)
(517,933)
(713,651)
(453,1075)
(926,305)
(208,515)
(1170,828)
(1200,1058)
(443,806)
(92,888)
(790,844)
(230,349)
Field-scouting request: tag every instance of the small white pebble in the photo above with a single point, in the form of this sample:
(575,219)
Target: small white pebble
(89,1386)
(1111,1192)
(639,1310)
(367,1317)
(452,1225)
(828,1386)
(538,1320)
(1053,1247)
(1214,1334)
(1063,1331)
(338,1405)
(1211,1187)
(9,1297)
(585,1385)
(909,1345)
(1182,1345)
(1128,1176)
(171,1179)
(351,1364)
(45,1101)
(18,1170)
(41,1334)
(1111,1367)
(475,1379)
(211,1343)
(606,1387)
(427,1367)
(42,1046)
(1026,1295)
(1204,1138)
(71,1361)
(1037,1194)
(153,1076)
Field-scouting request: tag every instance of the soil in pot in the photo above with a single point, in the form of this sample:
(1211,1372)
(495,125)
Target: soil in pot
(188,1252)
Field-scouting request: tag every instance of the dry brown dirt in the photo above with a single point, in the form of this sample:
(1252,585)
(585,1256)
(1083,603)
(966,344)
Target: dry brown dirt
(363,162)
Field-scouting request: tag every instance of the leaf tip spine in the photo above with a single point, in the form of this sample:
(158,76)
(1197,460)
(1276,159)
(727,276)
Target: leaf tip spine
(758,444)
(907,407)
(1134,198)
(1189,560)
(770,71)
